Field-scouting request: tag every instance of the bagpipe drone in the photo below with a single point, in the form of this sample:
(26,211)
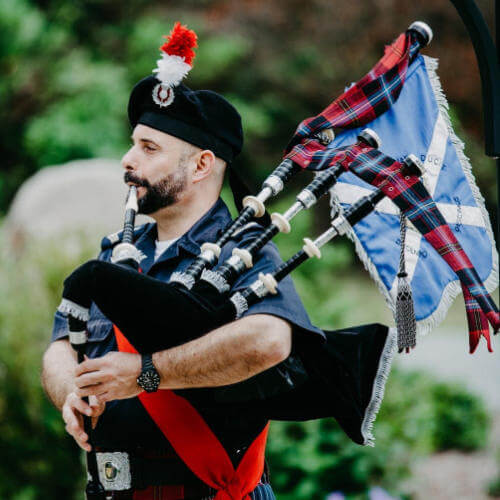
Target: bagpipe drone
(342,377)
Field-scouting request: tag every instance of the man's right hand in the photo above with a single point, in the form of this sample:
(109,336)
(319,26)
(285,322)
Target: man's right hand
(72,413)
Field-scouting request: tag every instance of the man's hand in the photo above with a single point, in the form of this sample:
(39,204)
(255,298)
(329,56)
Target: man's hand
(113,376)
(72,413)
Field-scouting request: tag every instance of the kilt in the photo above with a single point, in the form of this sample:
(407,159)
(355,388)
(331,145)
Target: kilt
(263,491)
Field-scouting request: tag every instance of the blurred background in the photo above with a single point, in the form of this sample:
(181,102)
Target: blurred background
(67,69)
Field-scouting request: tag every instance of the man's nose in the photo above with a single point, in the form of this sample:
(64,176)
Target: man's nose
(129,162)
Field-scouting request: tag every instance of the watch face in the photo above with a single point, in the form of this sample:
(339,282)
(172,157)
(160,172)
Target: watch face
(149,380)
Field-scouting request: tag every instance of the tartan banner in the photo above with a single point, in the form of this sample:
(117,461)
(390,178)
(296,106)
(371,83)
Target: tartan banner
(418,123)
(368,101)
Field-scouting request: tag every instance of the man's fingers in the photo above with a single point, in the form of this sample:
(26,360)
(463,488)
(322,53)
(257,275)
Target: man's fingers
(78,404)
(91,378)
(80,436)
(97,406)
(72,412)
(69,418)
(90,365)
(102,398)
(91,390)
(74,427)
(82,443)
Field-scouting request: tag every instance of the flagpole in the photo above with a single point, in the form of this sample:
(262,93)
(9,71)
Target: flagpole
(497,36)
(488,59)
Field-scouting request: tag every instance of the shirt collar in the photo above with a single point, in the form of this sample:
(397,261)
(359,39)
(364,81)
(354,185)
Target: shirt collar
(207,228)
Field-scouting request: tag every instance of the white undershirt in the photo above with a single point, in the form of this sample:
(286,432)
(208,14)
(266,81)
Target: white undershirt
(161,246)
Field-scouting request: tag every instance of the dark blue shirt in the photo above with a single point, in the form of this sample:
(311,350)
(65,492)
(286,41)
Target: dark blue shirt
(125,424)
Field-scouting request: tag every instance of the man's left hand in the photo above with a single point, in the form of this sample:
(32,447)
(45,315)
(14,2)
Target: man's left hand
(113,376)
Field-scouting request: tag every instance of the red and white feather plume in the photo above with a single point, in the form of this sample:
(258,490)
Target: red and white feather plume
(175,63)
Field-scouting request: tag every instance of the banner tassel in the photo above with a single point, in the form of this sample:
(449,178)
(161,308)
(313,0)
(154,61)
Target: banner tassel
(405,311)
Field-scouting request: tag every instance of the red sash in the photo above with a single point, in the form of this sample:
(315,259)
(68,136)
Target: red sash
(197,445)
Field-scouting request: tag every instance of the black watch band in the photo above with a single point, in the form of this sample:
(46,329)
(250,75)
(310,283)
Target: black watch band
(147,362)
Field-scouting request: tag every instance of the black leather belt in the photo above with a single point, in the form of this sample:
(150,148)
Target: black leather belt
(125,471)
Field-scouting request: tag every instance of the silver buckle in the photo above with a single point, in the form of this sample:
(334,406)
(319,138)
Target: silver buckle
(114,470)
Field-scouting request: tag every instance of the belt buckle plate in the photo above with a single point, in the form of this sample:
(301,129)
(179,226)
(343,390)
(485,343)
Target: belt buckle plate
(114,470)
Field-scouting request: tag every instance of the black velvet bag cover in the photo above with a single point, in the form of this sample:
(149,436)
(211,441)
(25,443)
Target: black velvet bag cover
(341,378)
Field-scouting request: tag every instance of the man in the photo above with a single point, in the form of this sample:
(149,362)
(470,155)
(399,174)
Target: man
(182,143)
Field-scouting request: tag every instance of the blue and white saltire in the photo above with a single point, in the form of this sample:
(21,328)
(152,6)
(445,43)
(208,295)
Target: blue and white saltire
(418,123)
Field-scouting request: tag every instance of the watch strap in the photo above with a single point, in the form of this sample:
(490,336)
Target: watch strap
(147,362)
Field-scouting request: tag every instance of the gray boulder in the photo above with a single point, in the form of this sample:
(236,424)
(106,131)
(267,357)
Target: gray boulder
(72,204)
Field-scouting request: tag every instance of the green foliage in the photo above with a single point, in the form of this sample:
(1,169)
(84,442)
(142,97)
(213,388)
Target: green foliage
(89,122)
(218,57)
(39,460)
(453,407)
(494,486)
(309,460)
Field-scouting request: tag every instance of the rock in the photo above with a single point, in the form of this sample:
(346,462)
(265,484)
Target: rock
(79,201)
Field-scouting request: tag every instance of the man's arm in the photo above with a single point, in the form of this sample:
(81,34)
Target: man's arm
(58,380)
(58,371)
(229,354)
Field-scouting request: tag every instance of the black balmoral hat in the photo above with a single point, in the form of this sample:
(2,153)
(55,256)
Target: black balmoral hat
(200,117)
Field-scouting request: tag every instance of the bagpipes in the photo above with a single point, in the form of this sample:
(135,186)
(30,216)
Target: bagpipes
(342,377)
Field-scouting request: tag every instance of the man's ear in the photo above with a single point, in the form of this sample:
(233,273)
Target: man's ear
(205,165)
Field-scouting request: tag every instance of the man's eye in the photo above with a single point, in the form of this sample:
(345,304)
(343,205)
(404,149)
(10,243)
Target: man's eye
(149,148)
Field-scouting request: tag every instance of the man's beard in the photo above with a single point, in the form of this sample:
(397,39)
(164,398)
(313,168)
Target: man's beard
(161,194)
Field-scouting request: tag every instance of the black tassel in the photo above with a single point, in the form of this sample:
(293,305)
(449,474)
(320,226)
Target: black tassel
(405,311)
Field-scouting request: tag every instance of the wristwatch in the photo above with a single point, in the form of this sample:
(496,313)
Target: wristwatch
(149,378)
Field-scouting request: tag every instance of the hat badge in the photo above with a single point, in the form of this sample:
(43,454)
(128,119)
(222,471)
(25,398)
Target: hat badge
(163,95)
(175,63)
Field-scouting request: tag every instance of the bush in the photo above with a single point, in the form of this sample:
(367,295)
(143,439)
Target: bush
(462,419)
(309,460)
(39,459)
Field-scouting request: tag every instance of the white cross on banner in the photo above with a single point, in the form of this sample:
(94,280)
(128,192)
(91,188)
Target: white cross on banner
(418,123)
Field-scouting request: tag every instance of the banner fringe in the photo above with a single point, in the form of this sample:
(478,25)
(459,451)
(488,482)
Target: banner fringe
(383,371)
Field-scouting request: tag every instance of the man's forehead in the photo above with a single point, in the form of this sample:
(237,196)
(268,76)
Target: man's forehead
(144,132)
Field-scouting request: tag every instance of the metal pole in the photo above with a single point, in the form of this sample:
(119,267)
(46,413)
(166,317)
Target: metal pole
(488,61)
(497,37)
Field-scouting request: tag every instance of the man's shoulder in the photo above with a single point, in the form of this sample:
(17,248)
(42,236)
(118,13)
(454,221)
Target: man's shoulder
(267,256)
(250,232)
(112,239)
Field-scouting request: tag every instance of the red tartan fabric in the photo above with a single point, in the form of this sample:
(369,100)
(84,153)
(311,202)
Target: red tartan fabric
(365,100)
(198,446)
(314,156)
(476,321)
